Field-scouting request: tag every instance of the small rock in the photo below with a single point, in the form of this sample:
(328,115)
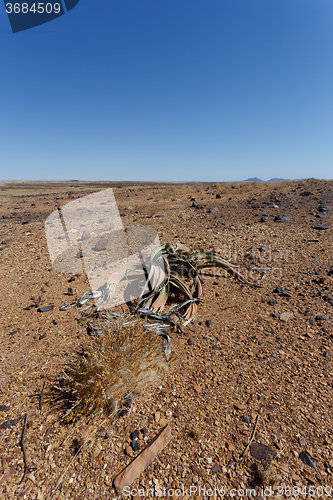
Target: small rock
(275,355)
(281,218)
(215,468)
(246,419)
(302,442)
(190,341)
(286,316)
(198,389)
(134,435)
(321,317)
(324,209)
(144,430)
(305,457)
(209,460)
(194,469)
(157,416)
(320,228)
(45,309)
(3,408)
(135,445)
(85,235)
(129,451)
(72,291)
(326,354)
(218,196)
(195,204)
(261,451)
(208,323)
(9,423)
(239,406)
(230,446)
(102,244)
(308,313)
(272,302)
(264,219)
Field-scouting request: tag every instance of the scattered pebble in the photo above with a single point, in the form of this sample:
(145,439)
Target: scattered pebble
(305,457)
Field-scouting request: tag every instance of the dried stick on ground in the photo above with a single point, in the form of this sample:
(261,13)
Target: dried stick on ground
(252,435)
(23,448)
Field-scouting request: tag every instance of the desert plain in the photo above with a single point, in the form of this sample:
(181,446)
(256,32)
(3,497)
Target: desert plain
(255,365)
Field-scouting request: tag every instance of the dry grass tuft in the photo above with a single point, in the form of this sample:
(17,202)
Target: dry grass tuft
(110,371)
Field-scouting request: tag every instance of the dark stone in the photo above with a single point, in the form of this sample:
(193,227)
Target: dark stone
(264,219)
(218,196)
(281,291)
(134,435)
(272,302)
(79,255)
(275,356)
(281,218)
(72,278)
(102,244)
(320,228)
(194,469)
(208,323)
(270,418)
(191,341)
(326,354)
(26,222)
(135,445)
(305,457)
(324,209)
(45,309)
(195,204)
(3,408)
(246,419)
(215,468)
(320,317)
(9,423)
(144,430)
(261,451)
(327,298)
(308,313)
(262,249)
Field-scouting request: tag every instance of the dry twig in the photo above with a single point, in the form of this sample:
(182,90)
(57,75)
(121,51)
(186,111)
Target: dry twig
(252,435)
(23,448)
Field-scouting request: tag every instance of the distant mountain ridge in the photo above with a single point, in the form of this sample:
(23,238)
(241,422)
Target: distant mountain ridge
(274,179)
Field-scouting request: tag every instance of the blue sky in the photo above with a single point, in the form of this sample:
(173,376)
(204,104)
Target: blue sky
(178,90)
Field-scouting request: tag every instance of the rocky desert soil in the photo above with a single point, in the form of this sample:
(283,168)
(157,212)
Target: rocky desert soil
(254,366)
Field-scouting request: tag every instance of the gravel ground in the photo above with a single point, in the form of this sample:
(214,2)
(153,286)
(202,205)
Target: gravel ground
(251,355)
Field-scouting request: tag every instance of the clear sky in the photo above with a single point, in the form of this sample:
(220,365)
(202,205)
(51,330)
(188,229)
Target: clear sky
(170,90)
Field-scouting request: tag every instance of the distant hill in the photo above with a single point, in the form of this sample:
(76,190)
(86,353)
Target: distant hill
(274,179)
(253,179)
